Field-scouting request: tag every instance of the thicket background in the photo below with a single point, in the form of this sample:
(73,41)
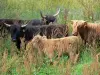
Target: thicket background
(12,64)
(29,9)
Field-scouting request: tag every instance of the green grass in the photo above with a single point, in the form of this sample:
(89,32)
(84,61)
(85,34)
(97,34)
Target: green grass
(12,64)
(16,64)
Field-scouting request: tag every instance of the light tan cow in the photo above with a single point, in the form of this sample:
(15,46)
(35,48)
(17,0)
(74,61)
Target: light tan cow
(68,45)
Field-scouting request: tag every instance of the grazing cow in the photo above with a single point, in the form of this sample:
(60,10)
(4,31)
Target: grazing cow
(68,45)
(47,19)
(89,32)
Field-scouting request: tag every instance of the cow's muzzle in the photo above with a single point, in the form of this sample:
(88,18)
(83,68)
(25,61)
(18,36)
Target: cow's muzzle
(75,34)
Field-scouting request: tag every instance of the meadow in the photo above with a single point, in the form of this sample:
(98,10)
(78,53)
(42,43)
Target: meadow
(24,63)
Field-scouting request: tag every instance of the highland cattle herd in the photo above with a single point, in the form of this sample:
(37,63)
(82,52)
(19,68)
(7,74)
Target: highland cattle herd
(48,37)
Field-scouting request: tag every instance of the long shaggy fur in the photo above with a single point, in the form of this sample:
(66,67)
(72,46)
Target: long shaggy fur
(89,32)
(68,45)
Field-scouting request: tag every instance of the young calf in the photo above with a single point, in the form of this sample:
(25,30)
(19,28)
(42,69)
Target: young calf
(68,45)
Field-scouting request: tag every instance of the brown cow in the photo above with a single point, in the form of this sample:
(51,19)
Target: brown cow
(89,32)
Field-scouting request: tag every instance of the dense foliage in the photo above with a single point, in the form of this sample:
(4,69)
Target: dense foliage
(13,64)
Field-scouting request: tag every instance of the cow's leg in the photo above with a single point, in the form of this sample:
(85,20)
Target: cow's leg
(71,55)
(26,42)
(22,43)
(4,32)
(76,58)
(59,54)
(18,42)
(50,54)
(1,30)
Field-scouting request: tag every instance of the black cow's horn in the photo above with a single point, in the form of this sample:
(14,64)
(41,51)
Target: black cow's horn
(8,25)
(41,14)
(24,25)
(57,12)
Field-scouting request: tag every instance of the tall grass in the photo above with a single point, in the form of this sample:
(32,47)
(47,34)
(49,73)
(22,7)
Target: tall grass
(29,9)
(25,62)
(30,64)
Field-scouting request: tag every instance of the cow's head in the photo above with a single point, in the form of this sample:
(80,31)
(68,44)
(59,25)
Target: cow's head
(47,18)
(77,24)
(38,40)
(16,31)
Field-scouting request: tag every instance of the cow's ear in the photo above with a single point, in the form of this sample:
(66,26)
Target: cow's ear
(85,24)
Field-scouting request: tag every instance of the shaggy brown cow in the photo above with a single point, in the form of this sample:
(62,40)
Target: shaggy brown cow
(57,31)
(89,32)
(75,23)
(68,45)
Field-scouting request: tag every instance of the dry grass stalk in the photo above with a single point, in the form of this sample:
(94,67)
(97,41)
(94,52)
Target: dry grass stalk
(33,55)
(27,66)
(86,70)
(68,68)
(92,69)
(22,44)
(4,62)
(29,53)
(98,57)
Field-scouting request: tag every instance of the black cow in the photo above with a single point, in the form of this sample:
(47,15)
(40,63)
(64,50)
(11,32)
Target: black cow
(36,22)
(56,31)
(17,31)
(47,19)
(51,31)
(13,21)
(5,29)
(29,31)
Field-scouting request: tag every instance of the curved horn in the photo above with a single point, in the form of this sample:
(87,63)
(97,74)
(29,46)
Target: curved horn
(41,14)
(57,12)
(8,25)
(23,25)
